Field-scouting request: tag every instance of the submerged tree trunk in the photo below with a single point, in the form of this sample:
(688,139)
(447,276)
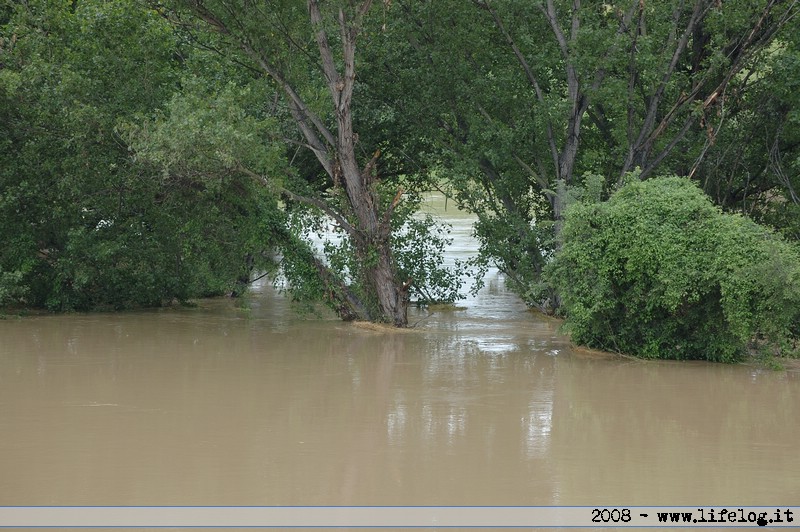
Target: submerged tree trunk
(366,223)
(371,235)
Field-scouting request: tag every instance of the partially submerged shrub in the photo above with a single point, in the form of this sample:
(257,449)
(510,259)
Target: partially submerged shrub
(660,272)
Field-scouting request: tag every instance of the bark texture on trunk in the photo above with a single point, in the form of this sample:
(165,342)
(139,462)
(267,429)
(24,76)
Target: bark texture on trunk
(372,230)
(365,222)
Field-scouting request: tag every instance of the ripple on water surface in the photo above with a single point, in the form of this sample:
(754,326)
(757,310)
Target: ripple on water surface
(222,404)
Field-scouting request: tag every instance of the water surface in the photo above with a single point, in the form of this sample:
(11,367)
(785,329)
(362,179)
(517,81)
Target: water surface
(219,405)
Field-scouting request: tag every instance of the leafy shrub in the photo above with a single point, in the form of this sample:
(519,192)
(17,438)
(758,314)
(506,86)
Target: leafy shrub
(88,220)
(419,247)
(660,272)
(10,289)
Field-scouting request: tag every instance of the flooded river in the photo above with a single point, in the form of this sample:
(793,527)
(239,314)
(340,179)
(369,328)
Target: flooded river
(223,405)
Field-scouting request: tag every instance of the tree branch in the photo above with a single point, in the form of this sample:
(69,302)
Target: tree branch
(387,215)
(644,140)
(314,202)
(328,64)
(541,181)
(551,140)
(300,111)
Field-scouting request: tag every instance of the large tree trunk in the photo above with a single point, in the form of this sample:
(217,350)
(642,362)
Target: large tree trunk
(372,239)
(372,233)
(393,299)
(368,227)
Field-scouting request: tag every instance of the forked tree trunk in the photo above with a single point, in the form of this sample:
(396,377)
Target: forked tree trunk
(371,235)
(371,238)
(368,227)
(383,278)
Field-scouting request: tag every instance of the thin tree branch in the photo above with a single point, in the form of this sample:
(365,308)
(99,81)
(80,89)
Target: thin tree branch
(300,111)
(314,202)
(644,139)
(690,120)
(549,11)
(551,140)
(541,181)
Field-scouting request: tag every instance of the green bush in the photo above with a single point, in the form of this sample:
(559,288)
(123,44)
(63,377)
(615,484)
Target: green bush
(658,271)
(87,219)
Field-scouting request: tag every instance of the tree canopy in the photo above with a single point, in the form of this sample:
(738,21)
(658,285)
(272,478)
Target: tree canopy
(166,150)
(539,93)
(85,225)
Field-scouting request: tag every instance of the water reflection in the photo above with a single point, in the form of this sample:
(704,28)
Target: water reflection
(490,405)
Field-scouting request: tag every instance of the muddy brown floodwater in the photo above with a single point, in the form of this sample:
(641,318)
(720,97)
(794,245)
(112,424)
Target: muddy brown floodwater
(219,405)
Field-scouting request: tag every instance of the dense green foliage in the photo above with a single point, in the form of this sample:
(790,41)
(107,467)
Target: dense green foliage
(84,225)
(754,165)
(658,271)
(152,151)
(507,99)
(274,110)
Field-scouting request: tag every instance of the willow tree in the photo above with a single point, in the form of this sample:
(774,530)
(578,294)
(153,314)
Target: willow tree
(309,54)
